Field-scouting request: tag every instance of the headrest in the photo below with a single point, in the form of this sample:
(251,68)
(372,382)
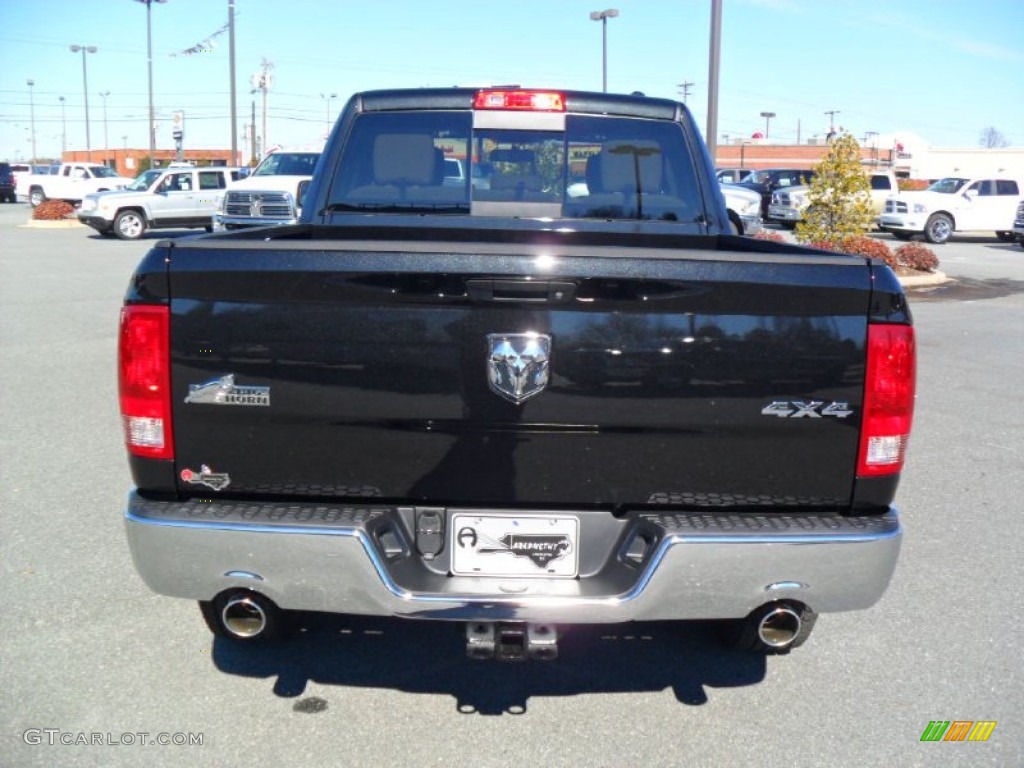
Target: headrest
(618,165)
(405,157)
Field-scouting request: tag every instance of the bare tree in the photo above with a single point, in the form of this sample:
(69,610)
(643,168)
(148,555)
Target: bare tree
(992,139)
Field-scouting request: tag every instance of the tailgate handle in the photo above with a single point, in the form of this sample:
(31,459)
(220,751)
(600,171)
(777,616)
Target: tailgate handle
(520,290)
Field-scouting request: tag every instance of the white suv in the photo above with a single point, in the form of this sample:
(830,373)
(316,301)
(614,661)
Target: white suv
(952,205)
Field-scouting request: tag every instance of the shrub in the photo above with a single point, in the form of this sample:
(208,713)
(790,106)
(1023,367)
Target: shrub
(861,245)
(53,210)
(917,256)
(914,256)
(766,234)
(839,197)
(857,245)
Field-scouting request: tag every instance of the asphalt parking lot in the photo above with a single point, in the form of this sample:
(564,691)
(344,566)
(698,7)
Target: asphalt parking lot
(89,652)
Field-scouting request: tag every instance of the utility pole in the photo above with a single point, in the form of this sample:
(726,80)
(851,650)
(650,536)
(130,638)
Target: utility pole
(32,116)
(234,104)
(262,82)
(63,130)
(106,142)
(685,89)
(714,57)
(252,134)
(831,122)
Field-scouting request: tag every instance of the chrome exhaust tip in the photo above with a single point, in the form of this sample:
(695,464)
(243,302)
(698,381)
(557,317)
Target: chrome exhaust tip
(243,617)
(779,627)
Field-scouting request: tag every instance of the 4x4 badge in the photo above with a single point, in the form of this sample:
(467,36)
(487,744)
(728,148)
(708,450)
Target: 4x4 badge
(517,364)
(798,409)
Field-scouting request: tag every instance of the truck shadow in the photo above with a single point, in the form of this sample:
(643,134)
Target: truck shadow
(350,651)
(967,289)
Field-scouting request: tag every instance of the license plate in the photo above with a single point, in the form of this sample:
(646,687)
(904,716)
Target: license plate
(515,545)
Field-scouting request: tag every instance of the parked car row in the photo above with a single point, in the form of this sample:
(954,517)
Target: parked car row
(213,198)
(948,206)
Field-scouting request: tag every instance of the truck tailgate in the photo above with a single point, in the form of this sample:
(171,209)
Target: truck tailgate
(517,374)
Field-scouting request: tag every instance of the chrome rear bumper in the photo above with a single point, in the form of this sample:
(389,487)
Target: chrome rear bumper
(653,566)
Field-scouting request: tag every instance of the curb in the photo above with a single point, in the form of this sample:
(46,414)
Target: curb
(52,224)
(934,278)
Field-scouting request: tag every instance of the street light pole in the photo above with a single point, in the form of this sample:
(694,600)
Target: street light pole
(714,62)
(32,115)
(106,142)
(767,119)
(63,130)
(149,66)
(328,96)
(603,16)
(234,88)
(85,90)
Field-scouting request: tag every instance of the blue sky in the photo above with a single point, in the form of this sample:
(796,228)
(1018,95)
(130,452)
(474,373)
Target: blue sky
(942,69)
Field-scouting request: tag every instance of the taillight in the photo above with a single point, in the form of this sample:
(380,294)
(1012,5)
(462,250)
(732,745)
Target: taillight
(144,380)
(531,101)
(888,399)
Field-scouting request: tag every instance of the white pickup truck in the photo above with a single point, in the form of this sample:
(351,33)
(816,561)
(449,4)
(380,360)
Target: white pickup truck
(70,182)
(789,203)
(271,194)
(1018,225)
(952,205)
(744,207)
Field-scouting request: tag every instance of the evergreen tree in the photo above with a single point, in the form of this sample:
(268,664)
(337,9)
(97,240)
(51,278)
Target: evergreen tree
(839,195)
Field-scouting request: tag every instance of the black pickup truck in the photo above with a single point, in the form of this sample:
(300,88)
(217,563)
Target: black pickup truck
(554,391)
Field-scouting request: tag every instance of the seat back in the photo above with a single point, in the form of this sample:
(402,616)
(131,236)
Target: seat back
(407,167)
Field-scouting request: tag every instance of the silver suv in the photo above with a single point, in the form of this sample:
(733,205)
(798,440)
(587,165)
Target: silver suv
(160,198)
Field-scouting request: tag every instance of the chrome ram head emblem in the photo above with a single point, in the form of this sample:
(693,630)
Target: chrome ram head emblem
(517,364)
